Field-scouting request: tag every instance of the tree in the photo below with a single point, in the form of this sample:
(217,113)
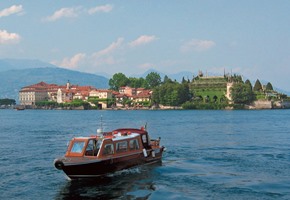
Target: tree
(137,82)
(153,79)
(236,78)
(183,80)
(215,98)
(257,86)
(7,102)
(134,82)
(118,80)
(166,79)
(242,93)
(171,94)
(249,84)
(269,87)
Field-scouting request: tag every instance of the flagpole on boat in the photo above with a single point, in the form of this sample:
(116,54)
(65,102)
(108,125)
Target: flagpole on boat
(100,130)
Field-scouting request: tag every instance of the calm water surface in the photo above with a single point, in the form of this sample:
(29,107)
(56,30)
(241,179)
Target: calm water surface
(210,155)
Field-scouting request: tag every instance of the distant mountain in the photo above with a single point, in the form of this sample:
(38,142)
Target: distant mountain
(282,91)
(178,76)
(148,72)
(13,80)
(9,64)
(106,75)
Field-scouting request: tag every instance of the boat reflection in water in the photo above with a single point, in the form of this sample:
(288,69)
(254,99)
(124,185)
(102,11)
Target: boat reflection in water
(109,152)
(136,183)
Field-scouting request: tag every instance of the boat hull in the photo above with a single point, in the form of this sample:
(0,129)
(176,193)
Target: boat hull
(84,168)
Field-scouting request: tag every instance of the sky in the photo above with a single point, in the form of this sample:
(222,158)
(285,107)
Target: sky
(249,37)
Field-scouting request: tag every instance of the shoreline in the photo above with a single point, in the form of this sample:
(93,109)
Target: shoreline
(256,105)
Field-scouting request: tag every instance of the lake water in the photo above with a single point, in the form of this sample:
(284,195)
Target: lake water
(210,155)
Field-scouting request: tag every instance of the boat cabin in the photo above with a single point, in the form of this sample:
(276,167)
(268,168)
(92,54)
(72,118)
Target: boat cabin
(109,144)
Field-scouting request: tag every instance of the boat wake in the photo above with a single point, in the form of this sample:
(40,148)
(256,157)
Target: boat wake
(134,170)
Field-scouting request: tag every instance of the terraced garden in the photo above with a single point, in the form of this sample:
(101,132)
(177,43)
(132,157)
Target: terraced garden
(210,89)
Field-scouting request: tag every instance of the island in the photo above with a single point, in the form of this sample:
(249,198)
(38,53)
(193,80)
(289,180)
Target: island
(201,92)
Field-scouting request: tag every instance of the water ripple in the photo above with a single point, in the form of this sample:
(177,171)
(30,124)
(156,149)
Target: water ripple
(210,155)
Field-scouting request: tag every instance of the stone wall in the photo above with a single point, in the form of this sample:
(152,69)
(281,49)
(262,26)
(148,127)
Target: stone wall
(281,104)
(286,104)
(261,104)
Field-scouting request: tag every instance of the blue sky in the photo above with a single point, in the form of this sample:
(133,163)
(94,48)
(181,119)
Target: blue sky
(248,37)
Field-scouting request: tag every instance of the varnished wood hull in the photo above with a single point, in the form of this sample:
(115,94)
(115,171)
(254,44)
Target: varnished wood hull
(88,168)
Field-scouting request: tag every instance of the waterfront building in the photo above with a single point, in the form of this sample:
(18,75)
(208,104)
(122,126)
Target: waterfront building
(142,95)
(128,91)
(135,95)
(101,93)
(42,91)
(30,94)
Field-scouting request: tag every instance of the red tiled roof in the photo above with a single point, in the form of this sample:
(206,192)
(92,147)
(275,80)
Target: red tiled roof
(104,90)
(121,95)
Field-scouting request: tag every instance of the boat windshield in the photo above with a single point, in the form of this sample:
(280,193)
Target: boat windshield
(93,147)
(78,147)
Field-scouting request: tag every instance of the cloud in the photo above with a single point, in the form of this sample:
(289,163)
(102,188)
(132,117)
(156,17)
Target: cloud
(105,8)
(11,10)
(8,38)
(105,56)
(197,45)
(143,39)
(71,63)
(102,57)
(76,11)
(63,13)
(111,48)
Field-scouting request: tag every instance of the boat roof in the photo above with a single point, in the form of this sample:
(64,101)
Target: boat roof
(132,130)
(122,137)
(118,134)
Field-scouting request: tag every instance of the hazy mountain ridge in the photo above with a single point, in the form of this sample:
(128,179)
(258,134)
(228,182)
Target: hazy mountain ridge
(9,64)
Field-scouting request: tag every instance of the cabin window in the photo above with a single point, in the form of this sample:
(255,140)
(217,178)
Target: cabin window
(121,146)
(93,148)
(133,144)
(77,147)
(108,149)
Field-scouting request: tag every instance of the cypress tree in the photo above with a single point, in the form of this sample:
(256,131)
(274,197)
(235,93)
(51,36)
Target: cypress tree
(183,80)
(249,84)
(269,87)
(258,86)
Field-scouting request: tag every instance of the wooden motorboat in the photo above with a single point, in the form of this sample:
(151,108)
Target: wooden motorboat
(20,107)
(109,152)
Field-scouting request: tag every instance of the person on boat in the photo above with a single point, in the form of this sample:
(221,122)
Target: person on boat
(93,148)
